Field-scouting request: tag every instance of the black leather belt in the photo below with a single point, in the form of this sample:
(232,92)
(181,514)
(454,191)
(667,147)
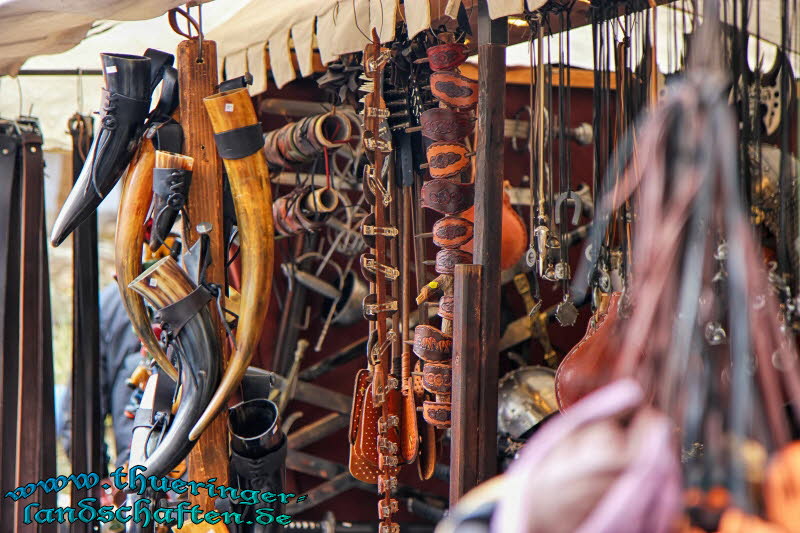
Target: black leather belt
(9,307)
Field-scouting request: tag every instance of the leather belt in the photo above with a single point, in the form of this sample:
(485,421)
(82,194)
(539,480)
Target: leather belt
(87,432)
(35,457)
(9,306)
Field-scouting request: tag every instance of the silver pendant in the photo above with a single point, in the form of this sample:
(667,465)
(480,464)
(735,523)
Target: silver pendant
(566,312)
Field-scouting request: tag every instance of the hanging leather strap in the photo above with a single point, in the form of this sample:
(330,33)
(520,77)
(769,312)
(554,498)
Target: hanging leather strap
(9,310)
(9,144)
(86,412)
(35,457)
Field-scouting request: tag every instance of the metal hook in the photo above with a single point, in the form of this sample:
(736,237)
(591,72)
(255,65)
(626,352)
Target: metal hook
(577,207)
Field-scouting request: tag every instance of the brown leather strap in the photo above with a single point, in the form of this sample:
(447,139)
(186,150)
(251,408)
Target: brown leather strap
(34,415)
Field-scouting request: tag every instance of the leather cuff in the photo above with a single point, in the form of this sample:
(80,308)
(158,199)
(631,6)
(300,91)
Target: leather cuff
(431,344)
(447,197)
(440,124)
(446,159)
(452,232)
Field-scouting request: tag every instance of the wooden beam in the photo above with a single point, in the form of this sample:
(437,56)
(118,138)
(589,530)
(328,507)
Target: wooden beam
(464,456)
(198,79)
(492,41)
(580,78)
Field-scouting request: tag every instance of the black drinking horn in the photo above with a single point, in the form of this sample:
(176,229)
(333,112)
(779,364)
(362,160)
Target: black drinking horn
(130,81)
(258,454)
(185,318)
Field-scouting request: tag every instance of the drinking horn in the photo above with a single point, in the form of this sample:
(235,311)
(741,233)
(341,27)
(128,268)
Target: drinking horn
(130,81)
(239,141)
(185,319)
(172,177)
(134,204)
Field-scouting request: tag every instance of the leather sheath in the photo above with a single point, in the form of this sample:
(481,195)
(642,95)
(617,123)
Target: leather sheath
(589,364)
(431,345)
(447,197)
(441,124)
(446,56)
(447,159)
(366,440)
(454,90)
(452,232)
(360,468)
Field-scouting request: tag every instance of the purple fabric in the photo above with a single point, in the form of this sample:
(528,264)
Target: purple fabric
(646,497)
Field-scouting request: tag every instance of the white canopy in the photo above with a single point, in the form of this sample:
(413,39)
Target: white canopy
(54,98)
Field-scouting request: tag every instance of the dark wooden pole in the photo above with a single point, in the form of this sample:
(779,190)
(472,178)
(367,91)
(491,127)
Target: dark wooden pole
(492,41)
(198,79)
(464,452)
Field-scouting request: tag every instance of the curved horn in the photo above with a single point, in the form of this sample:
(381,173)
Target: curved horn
(239,141)
(197,347)
(171,181)
(137,192)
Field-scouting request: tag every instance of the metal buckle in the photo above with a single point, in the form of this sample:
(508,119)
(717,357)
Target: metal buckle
(371,308)
(374,184)
(389,528)
(371,266)
(373,64)
(380,112)
(385,510)
(386,484)
(377,145)
(385,424)
(387,461)
(386,231)
(386,446)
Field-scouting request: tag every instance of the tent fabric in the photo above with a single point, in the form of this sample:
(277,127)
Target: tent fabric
(337,27)
(33,27)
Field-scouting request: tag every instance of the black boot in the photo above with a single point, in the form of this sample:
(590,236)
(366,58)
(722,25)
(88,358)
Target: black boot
(130,81)
(258,458)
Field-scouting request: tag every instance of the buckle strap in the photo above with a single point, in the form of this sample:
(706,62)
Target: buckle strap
(386,231)
(175,316)
(369,263)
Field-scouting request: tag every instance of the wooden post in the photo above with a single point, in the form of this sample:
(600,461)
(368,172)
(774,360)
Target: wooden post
(464,457)
(492,40)
(197,77)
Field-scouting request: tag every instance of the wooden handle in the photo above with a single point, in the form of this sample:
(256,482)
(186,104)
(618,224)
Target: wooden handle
(137,193)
